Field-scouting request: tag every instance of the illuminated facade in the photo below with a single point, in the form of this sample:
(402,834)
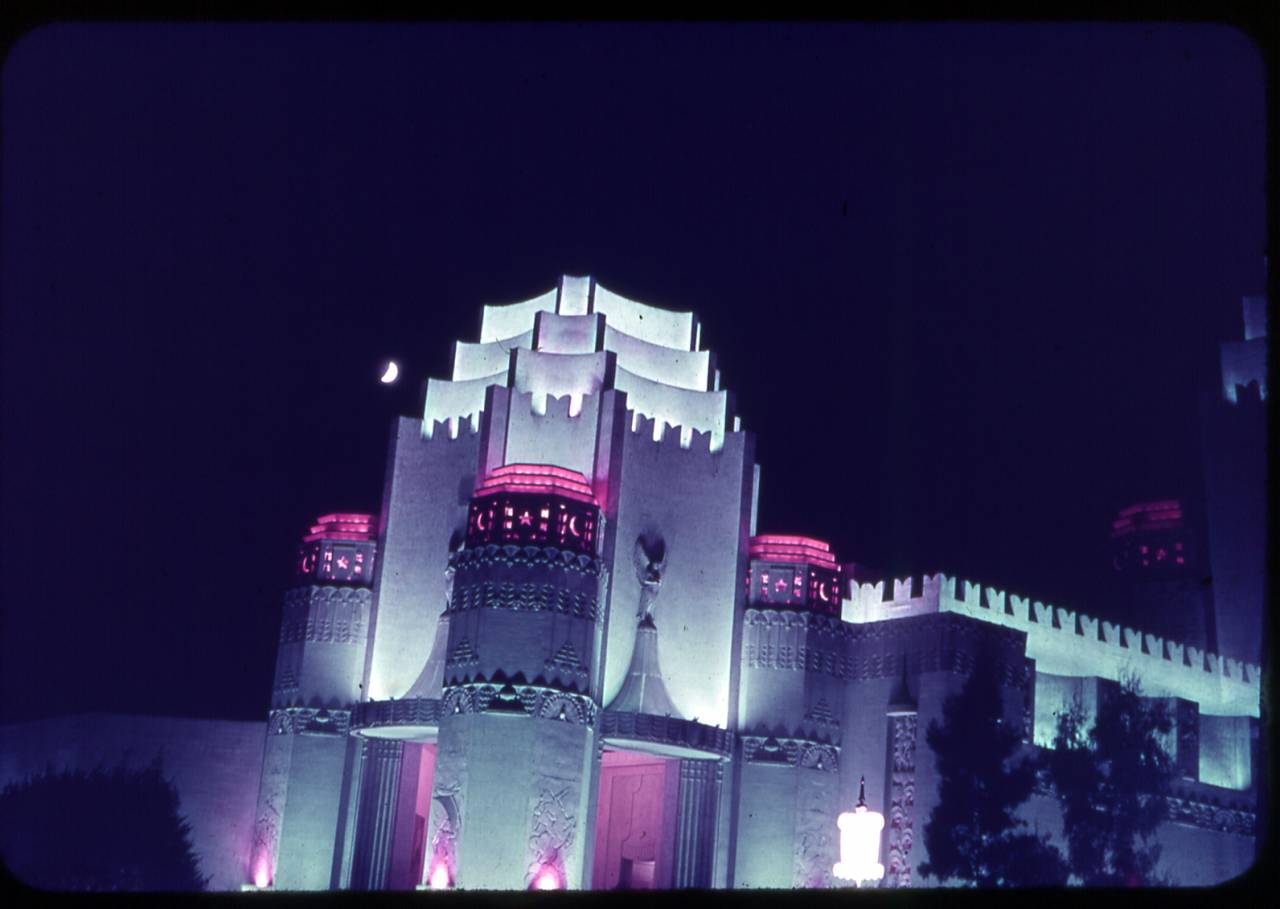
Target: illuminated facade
(562,656)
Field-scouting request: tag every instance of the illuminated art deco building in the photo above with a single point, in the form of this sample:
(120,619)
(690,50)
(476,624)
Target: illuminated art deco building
(568,652)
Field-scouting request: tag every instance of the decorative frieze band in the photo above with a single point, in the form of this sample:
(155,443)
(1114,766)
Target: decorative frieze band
(405,712)
(795,752)
(528,556)
(666,730)
(537,701)
(334,615)
(764,655)
(308,721)
(805,642)
(1208,816)
(863,667)
(1194,812)
(528,596)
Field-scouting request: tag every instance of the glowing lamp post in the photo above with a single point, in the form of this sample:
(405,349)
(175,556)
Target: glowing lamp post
(860,842)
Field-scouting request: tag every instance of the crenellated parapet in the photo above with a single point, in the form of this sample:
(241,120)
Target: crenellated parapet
(674,437)
(1070,643)
(560,385)
(465,424)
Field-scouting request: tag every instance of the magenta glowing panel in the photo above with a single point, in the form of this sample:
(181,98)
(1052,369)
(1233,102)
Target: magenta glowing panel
(1150,535)
(800,550)
(1165,515)
(779,584)
(534,504)
(341,548)
(793,572)
(537,478)
(343,527)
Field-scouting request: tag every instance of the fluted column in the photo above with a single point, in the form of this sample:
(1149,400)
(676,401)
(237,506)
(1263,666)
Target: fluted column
(375,821)
(697,804)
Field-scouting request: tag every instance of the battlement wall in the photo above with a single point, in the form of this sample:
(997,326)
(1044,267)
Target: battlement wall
(704,411)
(498,323)
(425,497)
(579,296)
(487,359)
(553,430)
(540,424)
(675,438)
(454,404)
(689,369)
(548,375)
(1244,363)
(666,327)
(1069,643)
(697,500)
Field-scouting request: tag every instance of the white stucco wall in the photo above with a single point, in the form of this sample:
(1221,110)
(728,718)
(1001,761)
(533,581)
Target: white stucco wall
(699,503)
(428,488)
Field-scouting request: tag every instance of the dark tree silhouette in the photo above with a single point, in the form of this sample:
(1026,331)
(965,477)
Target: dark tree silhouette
(1113,780)
(103,830)
(973,837)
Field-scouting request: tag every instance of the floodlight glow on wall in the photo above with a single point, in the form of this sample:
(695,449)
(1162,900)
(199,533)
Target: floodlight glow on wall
(548,879)
(439,878)
(261,874)
(860,842)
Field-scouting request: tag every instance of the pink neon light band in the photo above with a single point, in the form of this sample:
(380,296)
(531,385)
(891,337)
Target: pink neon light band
(538,479)
(793,549)
(342,527)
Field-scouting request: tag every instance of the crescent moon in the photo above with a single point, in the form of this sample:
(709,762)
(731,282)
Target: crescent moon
(391,373)
(573,519)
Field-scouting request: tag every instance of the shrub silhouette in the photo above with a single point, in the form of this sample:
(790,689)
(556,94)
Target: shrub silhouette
(99,830)
(974,836)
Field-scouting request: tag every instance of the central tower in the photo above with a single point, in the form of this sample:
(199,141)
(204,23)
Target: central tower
(580,455)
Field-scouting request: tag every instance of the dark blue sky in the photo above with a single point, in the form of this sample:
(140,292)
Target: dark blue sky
(967,283)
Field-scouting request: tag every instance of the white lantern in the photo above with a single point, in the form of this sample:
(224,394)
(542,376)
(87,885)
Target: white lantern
(860,842)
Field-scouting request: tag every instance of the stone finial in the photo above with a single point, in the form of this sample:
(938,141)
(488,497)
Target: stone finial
(643,690)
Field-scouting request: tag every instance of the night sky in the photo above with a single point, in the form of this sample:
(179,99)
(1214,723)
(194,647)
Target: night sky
(967,284)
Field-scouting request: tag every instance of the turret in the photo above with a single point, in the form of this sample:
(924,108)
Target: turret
(515,748)
(308,761)
(792,698)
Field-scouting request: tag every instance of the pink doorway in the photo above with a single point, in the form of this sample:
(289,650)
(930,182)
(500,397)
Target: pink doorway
(635,822)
